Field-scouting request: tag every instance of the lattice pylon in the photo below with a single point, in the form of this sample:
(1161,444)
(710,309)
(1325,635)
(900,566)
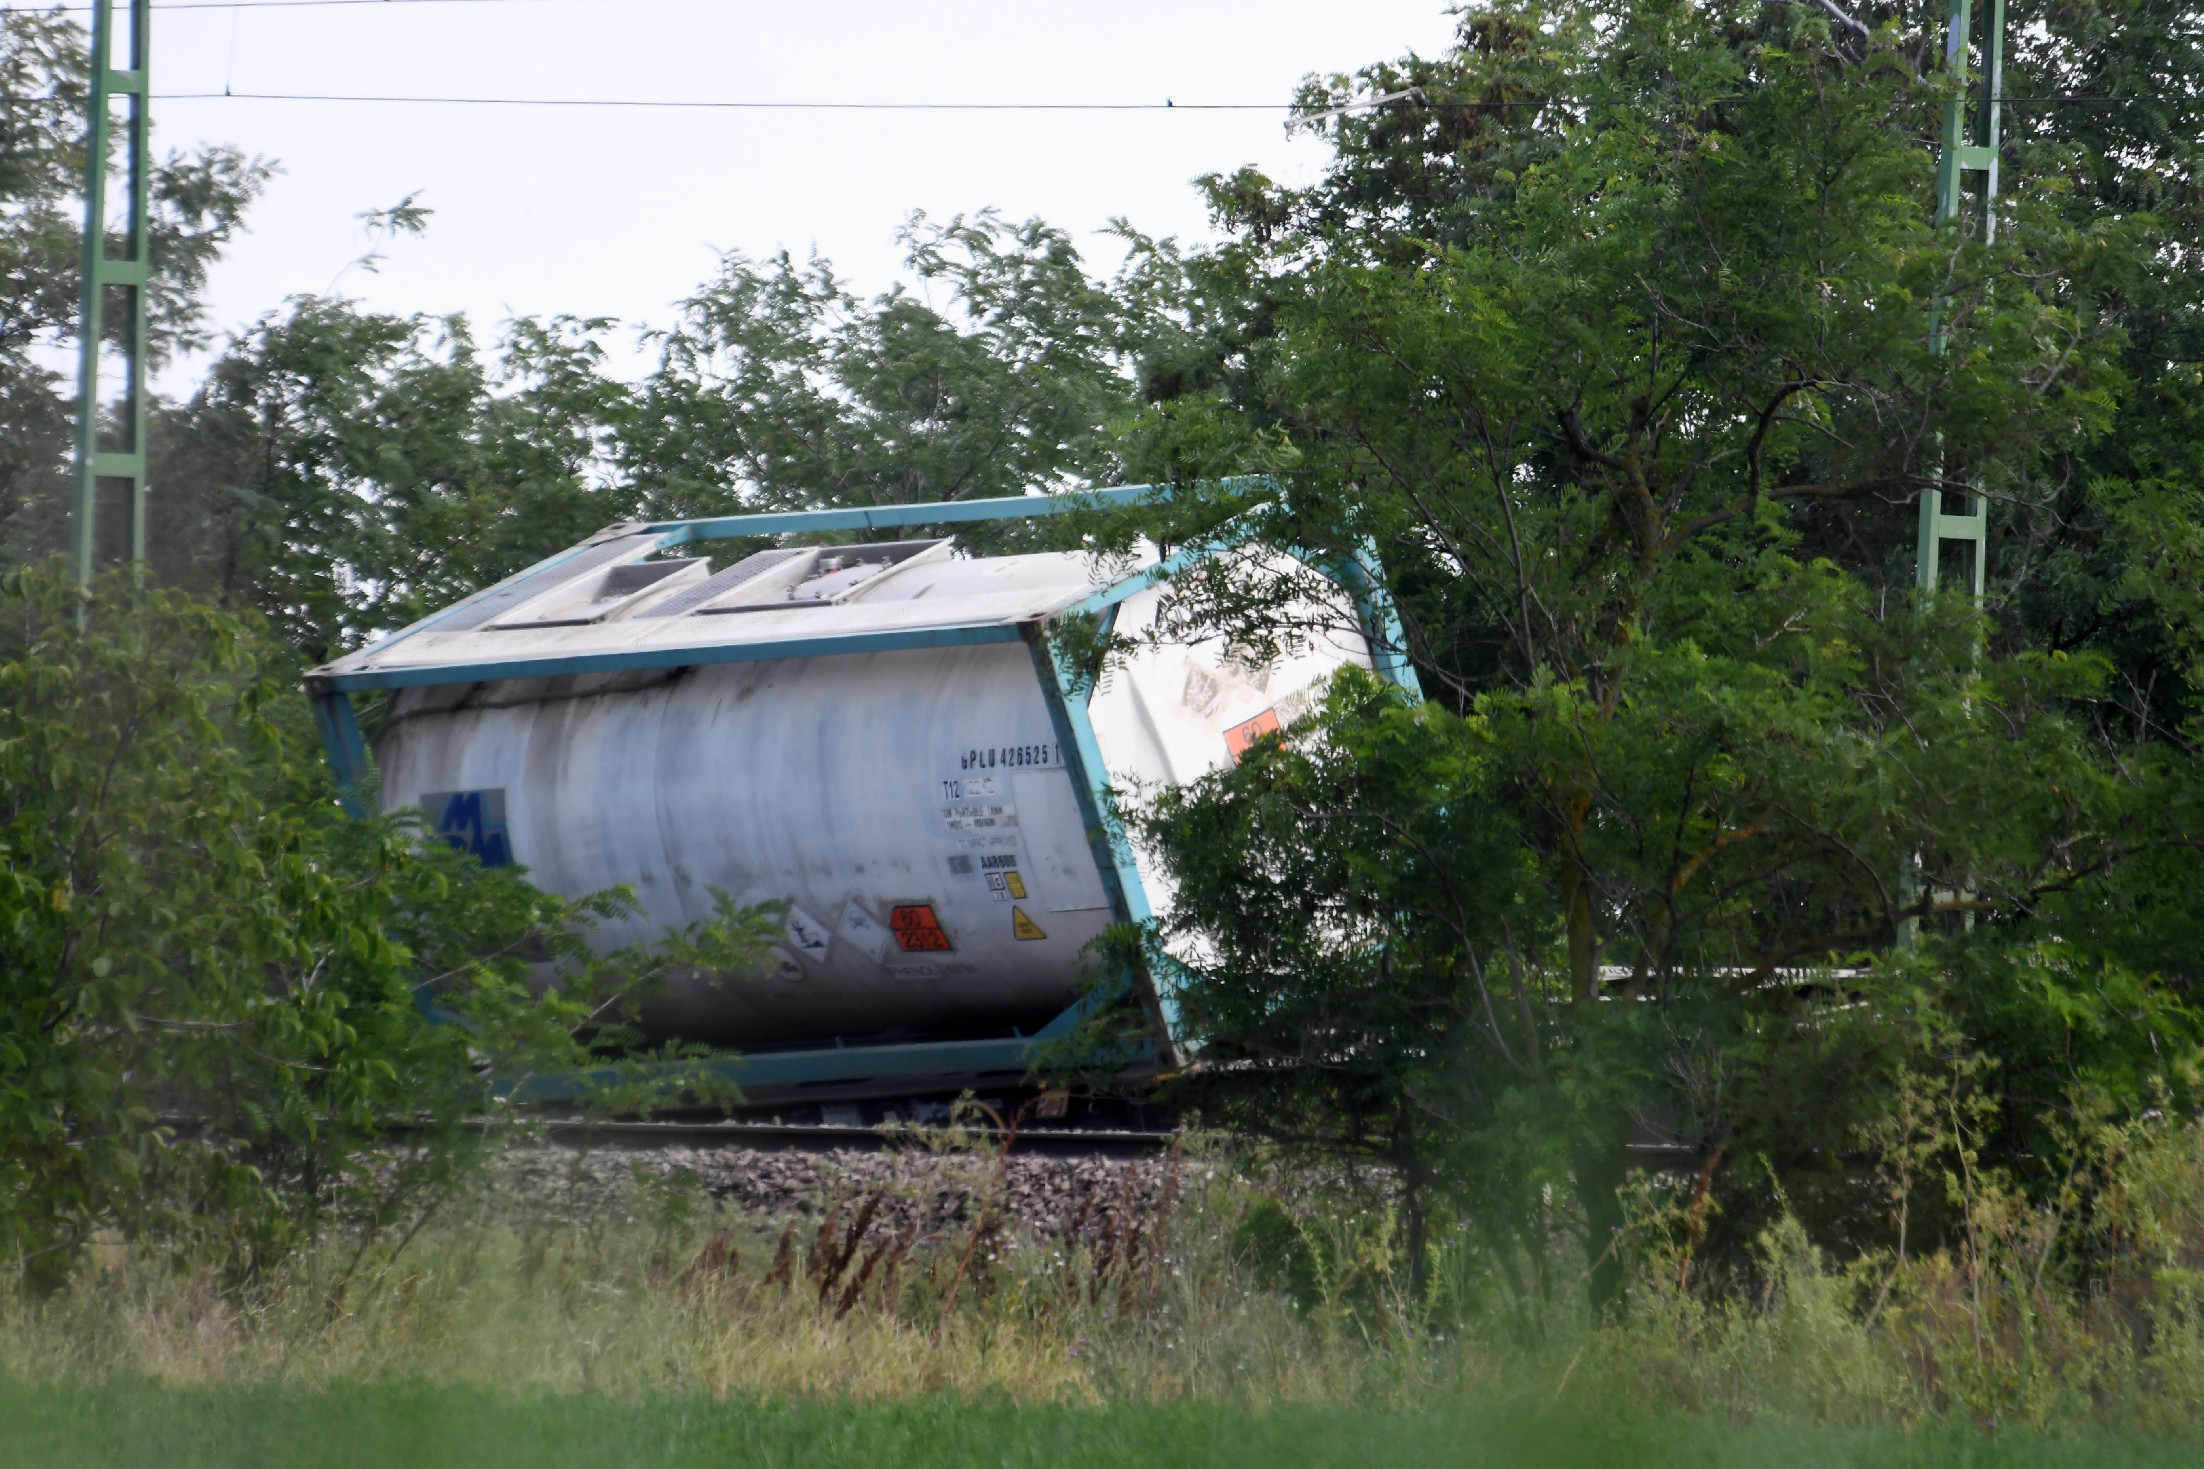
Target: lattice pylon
(105,270)
(1959,156)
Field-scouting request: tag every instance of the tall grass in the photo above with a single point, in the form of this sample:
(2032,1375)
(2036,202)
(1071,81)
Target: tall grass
(2040,1316)
(637,1298)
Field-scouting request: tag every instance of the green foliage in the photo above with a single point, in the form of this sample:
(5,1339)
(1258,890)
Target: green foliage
(215,988)
(1348,893)
(199,200)
(1633,391)
(2102,565)
(345,471)
(780,389)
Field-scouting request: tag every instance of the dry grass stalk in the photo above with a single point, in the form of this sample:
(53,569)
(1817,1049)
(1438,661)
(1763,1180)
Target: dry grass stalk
(784,1259)
(980,1221)
(829,1267)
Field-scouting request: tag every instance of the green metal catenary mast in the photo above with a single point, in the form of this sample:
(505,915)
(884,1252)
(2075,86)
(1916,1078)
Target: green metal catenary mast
(1966,149)
(114,275)
(1963,154)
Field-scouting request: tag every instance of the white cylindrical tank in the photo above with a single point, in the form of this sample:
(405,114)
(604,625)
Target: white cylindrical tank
(847,787)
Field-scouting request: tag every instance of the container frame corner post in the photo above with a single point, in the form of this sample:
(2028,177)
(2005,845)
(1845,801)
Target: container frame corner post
(105,270)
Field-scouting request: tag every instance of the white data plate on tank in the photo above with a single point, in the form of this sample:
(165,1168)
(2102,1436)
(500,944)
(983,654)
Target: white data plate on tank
(1056,842)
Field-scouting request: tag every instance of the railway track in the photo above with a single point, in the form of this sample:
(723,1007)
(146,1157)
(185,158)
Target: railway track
(1054,1142)
(783,1174)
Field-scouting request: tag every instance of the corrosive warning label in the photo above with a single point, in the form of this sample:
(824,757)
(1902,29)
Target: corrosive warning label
(917,930)
(1023,926)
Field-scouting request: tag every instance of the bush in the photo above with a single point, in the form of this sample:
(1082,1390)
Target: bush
(215,988)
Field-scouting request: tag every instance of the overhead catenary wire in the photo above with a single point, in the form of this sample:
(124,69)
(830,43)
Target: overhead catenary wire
(842,105)
(264,5)
(675,102)
(744,105)
(2061,100)
(1414,94)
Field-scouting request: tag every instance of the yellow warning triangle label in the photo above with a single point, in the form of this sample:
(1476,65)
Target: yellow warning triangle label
(1023,926)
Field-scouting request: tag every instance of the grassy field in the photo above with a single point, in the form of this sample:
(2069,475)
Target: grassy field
(649,1325)
(431,1427)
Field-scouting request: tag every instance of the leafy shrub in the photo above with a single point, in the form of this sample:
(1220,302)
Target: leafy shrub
(216,988)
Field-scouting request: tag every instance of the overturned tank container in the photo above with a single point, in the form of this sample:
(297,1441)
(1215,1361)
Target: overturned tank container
(877,736)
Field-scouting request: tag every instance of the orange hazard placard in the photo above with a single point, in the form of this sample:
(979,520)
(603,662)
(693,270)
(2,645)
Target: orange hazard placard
(1240,736)
(916,929)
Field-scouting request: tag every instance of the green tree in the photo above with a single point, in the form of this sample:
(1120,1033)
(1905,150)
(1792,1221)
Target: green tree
(1615,342)
(345,471)
(2109,556)
(1363,912)
(779,388)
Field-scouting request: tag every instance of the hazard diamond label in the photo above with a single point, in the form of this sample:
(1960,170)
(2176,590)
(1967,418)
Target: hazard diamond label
(917,929)
(1023,926)
(1241,737)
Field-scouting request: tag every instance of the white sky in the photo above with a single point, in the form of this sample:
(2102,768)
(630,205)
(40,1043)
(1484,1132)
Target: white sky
(619,212)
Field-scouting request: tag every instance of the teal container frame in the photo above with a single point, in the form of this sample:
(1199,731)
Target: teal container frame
(774,1076)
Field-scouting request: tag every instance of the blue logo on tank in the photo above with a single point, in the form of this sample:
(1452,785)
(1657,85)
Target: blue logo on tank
(472,821)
